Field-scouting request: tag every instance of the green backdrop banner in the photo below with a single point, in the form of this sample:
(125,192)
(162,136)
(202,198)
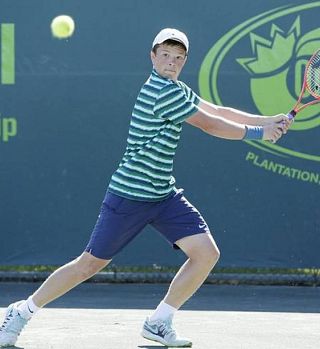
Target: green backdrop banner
(66,104)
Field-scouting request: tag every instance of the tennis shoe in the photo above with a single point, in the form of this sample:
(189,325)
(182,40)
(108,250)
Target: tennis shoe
(12,326)
(162,331)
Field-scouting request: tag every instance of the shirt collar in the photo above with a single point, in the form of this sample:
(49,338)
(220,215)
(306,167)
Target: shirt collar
(154,73)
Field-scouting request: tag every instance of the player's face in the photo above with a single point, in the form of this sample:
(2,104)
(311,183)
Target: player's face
(169,60)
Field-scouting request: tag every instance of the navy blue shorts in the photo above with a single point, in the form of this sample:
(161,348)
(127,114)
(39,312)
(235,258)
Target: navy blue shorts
(121,220)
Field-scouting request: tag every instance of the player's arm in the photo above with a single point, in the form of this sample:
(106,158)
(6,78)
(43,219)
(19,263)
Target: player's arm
(239,116)
(219,126)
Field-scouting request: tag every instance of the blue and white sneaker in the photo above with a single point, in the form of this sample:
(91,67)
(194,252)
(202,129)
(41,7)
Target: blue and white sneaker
(12,326)
(161,331)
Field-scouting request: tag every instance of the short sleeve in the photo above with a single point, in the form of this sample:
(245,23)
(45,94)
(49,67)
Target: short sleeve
(191,95)
(175,103)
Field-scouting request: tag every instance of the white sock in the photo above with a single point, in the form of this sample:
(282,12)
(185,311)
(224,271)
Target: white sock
(27,309)
(163,311)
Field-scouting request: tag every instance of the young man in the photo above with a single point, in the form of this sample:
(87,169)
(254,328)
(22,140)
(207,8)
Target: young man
(142,191)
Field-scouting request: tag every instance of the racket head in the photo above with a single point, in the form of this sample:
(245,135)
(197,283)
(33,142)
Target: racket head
(312,75)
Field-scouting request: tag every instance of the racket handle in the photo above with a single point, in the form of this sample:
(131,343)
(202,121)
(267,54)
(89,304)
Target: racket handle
(292,114)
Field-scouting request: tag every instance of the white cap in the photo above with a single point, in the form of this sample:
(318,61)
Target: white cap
(171,34)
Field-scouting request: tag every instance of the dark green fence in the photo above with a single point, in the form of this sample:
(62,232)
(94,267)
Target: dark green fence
(64,114)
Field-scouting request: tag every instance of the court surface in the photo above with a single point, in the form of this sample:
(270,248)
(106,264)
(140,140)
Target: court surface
(102,316)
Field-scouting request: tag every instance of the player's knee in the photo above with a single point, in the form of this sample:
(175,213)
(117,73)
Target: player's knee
(217,255)
(201,249)
(87,266)
(209,257)
(87,271)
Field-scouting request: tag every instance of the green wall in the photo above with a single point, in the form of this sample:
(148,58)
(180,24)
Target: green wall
(66,104)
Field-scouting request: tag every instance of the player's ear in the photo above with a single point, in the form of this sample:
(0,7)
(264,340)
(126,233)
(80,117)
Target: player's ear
(152,56)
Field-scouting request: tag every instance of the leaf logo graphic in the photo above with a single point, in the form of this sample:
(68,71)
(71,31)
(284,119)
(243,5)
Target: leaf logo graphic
(272,68)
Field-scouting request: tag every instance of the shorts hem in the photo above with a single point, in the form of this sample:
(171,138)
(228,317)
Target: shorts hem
(96,255)
(176,247)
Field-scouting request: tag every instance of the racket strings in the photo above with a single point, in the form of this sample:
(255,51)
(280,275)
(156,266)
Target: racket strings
(313,76)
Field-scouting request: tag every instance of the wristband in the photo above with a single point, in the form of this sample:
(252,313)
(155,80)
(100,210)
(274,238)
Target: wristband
(253,132)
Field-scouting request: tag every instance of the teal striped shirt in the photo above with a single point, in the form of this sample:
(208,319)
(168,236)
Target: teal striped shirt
(145,171)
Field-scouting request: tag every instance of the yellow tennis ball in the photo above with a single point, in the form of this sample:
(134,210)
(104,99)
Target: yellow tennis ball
(62,27)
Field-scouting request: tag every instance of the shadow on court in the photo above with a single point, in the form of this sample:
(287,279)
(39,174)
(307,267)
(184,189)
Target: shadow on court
(150,346)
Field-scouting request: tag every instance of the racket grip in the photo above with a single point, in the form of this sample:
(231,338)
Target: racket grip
(291,115)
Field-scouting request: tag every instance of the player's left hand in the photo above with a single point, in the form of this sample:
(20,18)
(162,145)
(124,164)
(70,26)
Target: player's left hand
(282,119)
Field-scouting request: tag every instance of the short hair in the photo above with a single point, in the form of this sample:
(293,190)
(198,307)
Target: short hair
(170,42)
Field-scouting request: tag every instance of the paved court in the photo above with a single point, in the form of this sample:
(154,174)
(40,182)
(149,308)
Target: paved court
(102,316)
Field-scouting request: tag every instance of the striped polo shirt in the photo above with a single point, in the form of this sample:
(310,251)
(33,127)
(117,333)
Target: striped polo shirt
(145,171)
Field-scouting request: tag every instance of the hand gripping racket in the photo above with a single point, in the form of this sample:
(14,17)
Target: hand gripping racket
(311,84)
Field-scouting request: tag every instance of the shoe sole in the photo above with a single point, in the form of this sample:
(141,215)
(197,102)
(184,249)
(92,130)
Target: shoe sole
(155,338)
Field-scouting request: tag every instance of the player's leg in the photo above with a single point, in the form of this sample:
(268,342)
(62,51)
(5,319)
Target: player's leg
(58,283)
(117,225)
(67,277)
(182,224)
(203,254)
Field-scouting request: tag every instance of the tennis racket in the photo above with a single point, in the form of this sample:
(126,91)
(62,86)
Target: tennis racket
(311,84)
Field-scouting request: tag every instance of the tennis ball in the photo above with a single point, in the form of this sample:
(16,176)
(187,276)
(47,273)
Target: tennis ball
(62,27)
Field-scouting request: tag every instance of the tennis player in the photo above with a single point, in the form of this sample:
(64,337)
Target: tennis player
(142,191)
